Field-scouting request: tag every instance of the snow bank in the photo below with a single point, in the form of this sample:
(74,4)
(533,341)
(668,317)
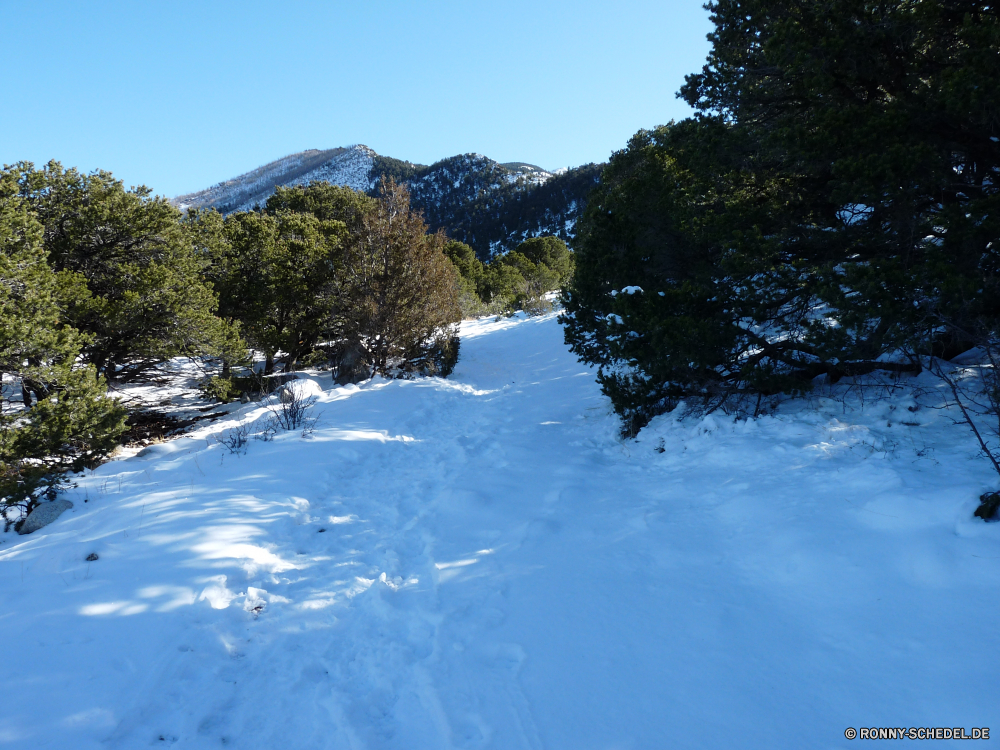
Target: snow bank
(480,562)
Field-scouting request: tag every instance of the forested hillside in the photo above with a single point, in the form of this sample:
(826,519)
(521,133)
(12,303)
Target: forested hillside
(490,206)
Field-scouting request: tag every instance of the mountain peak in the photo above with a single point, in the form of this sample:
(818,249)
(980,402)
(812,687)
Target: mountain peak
(348,165)
(489,205)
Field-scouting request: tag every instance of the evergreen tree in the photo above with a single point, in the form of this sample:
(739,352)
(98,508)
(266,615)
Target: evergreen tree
(63,420)
(830,211)
(275,275)
(511,281)
(887,114)
(470,273)
(396,304)
(138,295)
(551,252)
(538,280)
(321,199)
(465,260)
(502,287)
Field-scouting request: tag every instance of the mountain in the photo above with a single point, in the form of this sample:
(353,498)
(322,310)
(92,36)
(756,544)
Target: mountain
(340,166)
(491,206)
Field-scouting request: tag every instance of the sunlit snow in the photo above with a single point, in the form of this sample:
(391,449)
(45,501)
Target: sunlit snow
(481,562)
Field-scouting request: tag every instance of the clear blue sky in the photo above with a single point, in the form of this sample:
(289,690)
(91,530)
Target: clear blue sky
(181,95)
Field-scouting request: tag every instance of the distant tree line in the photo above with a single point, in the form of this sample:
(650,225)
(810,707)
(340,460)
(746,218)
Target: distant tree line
(518,280)
(832,210)
(488,206)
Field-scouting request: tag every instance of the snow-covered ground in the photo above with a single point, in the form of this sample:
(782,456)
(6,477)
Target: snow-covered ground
(480,562)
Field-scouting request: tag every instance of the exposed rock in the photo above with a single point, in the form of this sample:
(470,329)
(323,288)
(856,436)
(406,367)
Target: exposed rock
(300,389)
(352,366)
(43,515)
(989,503)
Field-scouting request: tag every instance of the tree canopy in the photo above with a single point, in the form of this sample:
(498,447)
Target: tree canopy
(61,418)
(274,275)
(831,209)
(137,289)
(396,304)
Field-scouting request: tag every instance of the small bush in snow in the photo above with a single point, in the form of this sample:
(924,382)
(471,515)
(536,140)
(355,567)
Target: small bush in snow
(236,438)
(266,429)
(291,410)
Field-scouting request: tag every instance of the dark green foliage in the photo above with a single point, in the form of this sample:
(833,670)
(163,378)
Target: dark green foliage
(514,281)
(509,282)
(63,420)
(889,114)
(386,168)
(831,211)
(275,276)
(491,207)
(538,279)
(218,388)
(470,275)
(130,271)
(328,272)
(502,287)
(391,299)
(465,260)
(655,345)
(276,270)
(552,253)
(324,201)
(396,303)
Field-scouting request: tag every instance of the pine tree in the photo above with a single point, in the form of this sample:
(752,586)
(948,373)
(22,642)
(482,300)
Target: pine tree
(63,420)
(470,273)
(888,116)
(275,274)
(139,295)
(396,304)
(551,252)
(831,210)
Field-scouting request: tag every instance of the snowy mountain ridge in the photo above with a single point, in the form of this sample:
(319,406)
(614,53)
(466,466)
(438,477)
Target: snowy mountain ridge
(489,205)
(350,166)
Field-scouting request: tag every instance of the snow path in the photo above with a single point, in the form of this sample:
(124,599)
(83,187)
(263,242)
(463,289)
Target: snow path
(496,570)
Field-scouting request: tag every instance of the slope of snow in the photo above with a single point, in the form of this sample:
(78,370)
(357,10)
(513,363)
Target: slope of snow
(350,169)
(479,562)
(340,166)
